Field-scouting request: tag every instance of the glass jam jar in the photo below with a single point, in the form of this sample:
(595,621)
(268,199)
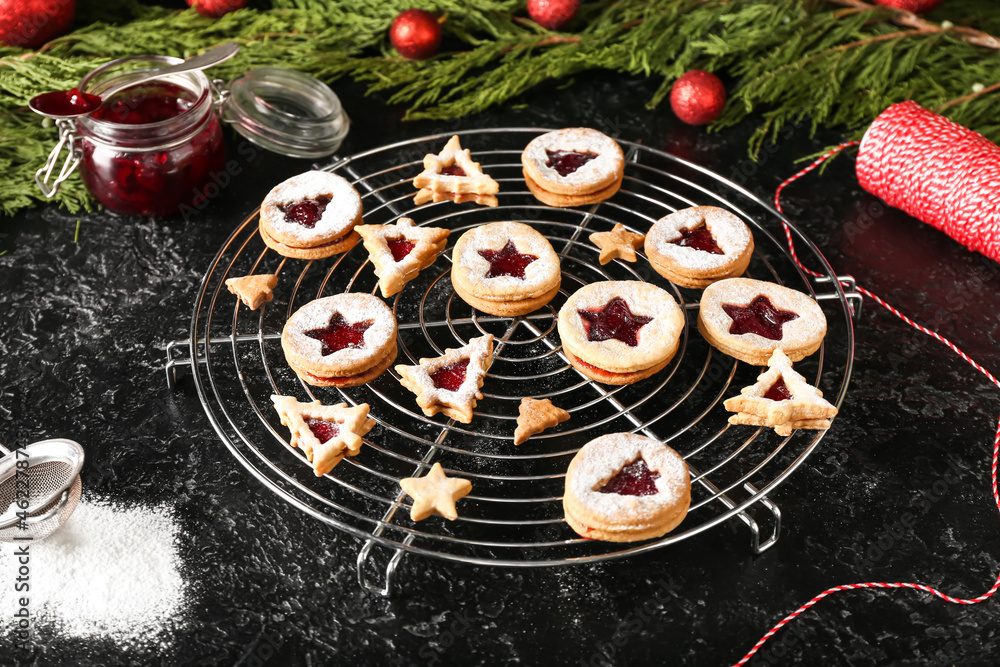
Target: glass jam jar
(153,147)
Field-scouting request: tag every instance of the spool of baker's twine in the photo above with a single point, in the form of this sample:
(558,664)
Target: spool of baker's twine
(949,177)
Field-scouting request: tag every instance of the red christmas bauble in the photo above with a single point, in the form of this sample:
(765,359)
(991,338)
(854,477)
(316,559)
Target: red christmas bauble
(698,97)
(31,23)
(552,14)
(214,9)
(918,6)
(415,34)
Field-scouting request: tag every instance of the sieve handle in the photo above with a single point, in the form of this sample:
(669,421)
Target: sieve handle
(6,452)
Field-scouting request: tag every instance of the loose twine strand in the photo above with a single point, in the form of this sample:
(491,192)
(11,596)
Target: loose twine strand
(933,334)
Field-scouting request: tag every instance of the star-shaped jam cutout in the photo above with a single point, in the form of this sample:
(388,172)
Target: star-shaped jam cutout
(507,261)
(699,238)
(339,335)
(759,317)
(616,321)
(566,162)
(306,212)
(635,479)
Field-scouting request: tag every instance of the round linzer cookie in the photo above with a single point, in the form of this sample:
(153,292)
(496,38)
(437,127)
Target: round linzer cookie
(505,268)
(620,332)
(696,247)
(573,167)
(750,319)
(624,487)
(311,216)
(342,340)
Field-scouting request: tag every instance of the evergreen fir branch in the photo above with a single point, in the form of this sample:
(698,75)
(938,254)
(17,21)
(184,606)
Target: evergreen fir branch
(831,63)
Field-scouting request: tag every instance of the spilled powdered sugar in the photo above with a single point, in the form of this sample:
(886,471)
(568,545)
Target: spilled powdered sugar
(354,308)
(603,457)
(111,571)
(610,158)
(343,209)
(730,233)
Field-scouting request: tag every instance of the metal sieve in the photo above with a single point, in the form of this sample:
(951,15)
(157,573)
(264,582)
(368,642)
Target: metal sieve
(48,479)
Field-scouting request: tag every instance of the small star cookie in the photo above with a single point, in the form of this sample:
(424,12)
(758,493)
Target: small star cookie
(450,383)
(782,399)
(253,290)
(534,416)
(326,433)
(435,494)
(401,251)
(451,175)
(619,243)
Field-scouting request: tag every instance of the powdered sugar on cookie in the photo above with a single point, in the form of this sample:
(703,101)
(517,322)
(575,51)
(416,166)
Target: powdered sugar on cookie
(730,234)
(538,274)
(580,140)
(355,309)
(339,216)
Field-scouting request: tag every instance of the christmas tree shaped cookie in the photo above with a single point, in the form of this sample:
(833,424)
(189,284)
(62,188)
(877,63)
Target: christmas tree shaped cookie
(781,398)
(451,175)
(253,290)
(534,416)
(400,251)
(326,433)
(450,383)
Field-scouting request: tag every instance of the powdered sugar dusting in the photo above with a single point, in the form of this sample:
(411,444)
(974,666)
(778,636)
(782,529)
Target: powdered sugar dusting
(340,214)
(581,140)
(479,352)
(810,323)
(111,572)
(730,233)
(656,339)
(354,308)
(603,457)
(539,275)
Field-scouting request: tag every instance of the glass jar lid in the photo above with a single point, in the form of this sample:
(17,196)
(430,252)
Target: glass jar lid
(285,111)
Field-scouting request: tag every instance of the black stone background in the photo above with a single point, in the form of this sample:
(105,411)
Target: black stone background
(81,356)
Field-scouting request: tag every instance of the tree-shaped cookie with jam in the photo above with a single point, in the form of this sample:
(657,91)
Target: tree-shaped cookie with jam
(781,398)
(401,251)
(452,175)
(325,433)
(450,383)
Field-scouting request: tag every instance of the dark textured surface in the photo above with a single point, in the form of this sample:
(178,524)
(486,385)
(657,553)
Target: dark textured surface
(81,354)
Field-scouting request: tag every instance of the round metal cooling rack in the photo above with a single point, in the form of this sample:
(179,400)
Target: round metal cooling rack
(513,517)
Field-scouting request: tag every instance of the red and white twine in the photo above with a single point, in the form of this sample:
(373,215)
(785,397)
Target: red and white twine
(948,177)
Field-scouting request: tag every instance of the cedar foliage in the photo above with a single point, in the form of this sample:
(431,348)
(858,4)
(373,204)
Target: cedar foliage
(832,63)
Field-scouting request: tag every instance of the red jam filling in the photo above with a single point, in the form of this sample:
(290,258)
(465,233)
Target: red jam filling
(339,335)
(758,317)
(616,321)
(453,170)
(310,247)
(335,381)
(635,479)
(153,181)
(400,248)
(699,239)
(322,429)
(450,377)
(66,102)
(145,104)
(306,212)
(507,261)
(566,162)
(778,391)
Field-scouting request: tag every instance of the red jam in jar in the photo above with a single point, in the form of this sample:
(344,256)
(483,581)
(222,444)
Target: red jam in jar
(153,148)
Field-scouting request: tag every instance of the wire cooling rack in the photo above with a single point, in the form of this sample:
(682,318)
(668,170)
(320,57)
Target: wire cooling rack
(513,517)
